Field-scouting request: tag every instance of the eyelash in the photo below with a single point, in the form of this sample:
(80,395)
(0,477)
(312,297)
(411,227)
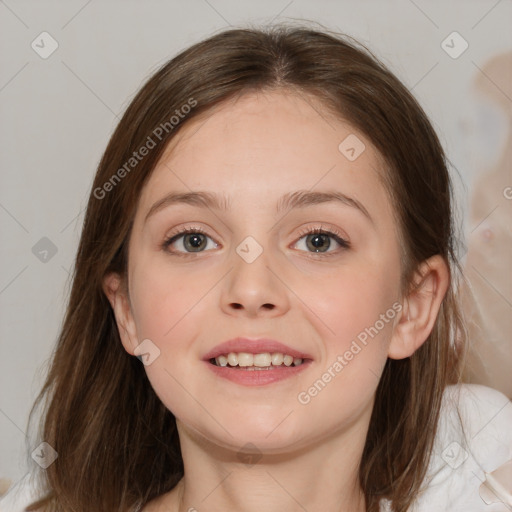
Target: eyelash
(333,233)
(183,231)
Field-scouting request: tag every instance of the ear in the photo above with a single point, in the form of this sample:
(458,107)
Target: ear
(420,308)
(116,292)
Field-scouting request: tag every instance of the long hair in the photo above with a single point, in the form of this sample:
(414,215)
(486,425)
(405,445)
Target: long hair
(117,444)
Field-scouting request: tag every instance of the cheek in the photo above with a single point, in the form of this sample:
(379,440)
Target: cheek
(172,309)
(162,297)
(360,313)
(353,301)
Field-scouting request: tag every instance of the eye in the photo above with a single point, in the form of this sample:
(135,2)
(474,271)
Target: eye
(189,240)
(319,240)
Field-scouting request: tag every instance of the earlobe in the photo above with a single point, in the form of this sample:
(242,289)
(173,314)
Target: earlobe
(420,308)
(117,295)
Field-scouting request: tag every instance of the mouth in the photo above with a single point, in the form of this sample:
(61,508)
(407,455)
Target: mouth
(257,362)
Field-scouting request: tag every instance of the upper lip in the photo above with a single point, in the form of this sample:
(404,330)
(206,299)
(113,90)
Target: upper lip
(253,346)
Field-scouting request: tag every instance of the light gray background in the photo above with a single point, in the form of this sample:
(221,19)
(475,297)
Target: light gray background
(58,113)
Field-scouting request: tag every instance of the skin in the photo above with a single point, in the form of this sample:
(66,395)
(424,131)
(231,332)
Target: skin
(254,150)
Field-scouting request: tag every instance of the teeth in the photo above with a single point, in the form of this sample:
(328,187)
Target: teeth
(221,360)
(277,359)
(245,359)
(263,360)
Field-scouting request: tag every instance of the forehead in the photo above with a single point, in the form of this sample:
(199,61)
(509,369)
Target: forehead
(283,123)
(266,144)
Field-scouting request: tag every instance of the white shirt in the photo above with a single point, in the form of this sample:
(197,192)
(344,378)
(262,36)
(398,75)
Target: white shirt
(461,459)
(459,462)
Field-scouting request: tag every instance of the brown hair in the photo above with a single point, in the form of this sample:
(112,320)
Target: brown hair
(117,443)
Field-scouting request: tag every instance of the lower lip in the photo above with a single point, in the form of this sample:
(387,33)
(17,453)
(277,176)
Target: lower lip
(257,377)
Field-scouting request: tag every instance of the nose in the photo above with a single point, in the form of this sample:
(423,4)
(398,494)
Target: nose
(253,289)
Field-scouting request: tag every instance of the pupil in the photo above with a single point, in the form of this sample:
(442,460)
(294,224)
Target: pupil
(318,240)
(194,241)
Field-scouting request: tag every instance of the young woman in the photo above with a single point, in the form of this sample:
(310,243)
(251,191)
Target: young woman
(263,313)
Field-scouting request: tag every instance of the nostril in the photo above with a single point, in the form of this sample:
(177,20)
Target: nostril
(236,305)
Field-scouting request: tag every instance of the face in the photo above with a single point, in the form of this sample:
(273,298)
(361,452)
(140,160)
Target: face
(271,259)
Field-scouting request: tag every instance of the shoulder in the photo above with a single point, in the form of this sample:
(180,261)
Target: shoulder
(474,439)
(20,495)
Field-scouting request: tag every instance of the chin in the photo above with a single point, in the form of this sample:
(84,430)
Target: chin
(269,435)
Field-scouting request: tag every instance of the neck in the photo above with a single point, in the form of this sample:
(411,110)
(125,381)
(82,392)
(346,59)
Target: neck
(319,477)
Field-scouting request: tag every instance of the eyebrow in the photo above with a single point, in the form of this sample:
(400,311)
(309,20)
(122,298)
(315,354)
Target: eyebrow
(298,199)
